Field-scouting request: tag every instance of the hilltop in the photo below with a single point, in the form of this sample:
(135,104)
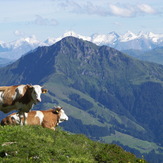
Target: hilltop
(37,144)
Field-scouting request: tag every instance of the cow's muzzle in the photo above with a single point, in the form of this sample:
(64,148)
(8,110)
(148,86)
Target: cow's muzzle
(38,100)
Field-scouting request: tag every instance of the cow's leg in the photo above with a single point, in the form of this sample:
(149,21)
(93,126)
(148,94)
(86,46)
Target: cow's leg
(24,118)
(21,118)
(53,128)
(19,115)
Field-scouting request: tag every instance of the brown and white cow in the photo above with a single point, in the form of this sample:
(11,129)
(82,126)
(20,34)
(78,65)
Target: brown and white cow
(20,97)
(46,118)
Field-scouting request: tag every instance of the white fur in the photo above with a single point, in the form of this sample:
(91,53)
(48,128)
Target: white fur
(37,95)
(17,118)
(63,116)
(20,89)
(18,92)
(1,97)
(40,115)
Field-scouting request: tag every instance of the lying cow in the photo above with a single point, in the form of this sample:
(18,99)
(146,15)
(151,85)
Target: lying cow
(47,118)
(20,97)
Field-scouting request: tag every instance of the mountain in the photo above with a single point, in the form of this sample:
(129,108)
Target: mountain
(154,55)
(4,62)
(14,50)
(128,41)
(107,95)
(141,41)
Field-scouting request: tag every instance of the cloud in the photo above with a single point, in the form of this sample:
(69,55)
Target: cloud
(18,33)
(121,11)
(146,9)
(39,20)
(106,9)
(117,23)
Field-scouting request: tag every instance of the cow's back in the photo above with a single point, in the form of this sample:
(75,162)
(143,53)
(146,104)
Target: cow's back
(45,118)
(33,118)
(50,119)
(7,95)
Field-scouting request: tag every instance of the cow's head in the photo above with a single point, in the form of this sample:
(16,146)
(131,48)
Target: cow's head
(36,91)
(9,120)
(62,115)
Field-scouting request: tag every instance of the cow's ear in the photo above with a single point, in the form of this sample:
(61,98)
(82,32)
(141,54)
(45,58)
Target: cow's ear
(56,111)
(44,90)
(30,87)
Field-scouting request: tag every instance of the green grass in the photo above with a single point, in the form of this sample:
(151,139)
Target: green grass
(37,144)
(135,143)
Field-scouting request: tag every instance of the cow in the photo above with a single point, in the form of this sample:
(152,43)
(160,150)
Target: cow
(46,118)
(20,98)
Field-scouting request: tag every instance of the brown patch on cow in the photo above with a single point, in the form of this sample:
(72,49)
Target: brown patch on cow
(8,87)
(49,117)
(9,92)
(31,119)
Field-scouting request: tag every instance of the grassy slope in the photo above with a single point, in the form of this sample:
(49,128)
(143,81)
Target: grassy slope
(37,144)
(135,143)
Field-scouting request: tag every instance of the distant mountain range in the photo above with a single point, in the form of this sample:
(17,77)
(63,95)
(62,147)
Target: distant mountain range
(128,41)
(108,96)
(153,55)
(14,50)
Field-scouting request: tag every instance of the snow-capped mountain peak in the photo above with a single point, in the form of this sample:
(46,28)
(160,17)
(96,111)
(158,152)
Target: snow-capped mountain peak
(1,42)
(72,33)
(154,37)
(128,36)
(129,40)
(28,41)
(105,38)
(51,41)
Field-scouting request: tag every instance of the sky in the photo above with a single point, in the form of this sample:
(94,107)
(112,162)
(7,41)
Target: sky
(52,18)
